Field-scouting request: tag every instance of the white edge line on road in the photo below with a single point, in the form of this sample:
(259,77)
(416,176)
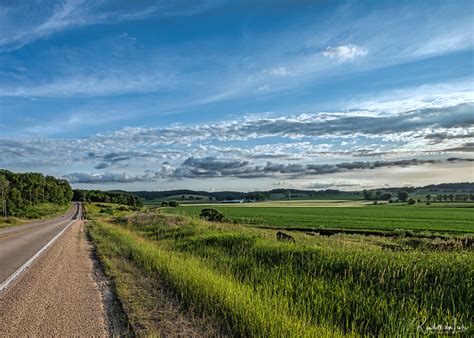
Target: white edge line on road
(18,272)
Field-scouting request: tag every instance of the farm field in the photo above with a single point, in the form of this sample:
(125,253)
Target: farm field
(293,203)
(351,215)
(250,284)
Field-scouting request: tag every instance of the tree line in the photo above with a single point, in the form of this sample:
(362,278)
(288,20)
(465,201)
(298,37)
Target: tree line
(18,191)
(116,197)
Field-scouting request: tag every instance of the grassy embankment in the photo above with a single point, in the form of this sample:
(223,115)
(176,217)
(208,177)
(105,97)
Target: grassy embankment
(253,285)
(36,212)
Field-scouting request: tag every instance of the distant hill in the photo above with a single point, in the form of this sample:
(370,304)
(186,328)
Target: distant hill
(463,186)
(281,194)
(254,195)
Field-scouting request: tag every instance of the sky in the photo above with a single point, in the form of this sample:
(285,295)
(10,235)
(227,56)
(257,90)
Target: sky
(238,95)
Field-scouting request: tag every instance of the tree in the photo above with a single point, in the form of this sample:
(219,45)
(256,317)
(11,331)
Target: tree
(367,195)
(403,196)
(173,204)
(212,215)
(411,201)
(20,191)
(428,197)
(4,185)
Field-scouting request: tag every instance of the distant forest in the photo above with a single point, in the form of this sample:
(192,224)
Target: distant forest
(118,197)
(20,191)
(465,187)
(234,195)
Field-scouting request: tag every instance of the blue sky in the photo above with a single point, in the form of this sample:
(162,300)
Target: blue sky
(242,95)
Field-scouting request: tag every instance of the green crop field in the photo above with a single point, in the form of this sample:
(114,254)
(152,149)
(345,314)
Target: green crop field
(251,284)
(439,218)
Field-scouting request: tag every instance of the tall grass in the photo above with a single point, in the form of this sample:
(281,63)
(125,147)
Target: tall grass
(262,287)
(244,311)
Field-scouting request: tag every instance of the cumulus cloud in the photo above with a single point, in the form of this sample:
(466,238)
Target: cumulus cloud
(304,125)
(104,178)
(345,52)
(211,167)
(243,147)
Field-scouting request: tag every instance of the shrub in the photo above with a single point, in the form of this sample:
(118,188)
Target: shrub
(212,215)
(107,211)
(411,201)
(173,204)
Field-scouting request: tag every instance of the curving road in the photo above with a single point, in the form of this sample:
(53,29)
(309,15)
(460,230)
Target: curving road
(19,244)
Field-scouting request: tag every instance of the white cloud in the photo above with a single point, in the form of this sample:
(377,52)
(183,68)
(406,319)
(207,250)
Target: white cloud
(82,85)
(345,52)
(26,21)
(104,178)
(423,97)
(446,43)
(279,71)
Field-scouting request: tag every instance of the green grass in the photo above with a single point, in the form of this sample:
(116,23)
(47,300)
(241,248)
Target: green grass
(99,209)
(245,311)
(378,217)
(39,211)
(257,286)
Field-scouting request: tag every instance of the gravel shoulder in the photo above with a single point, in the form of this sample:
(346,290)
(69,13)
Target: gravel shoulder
(63,293)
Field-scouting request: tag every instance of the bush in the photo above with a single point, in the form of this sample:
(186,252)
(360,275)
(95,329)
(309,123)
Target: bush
(212,215)
(173,204)
(411,201)
(107,211)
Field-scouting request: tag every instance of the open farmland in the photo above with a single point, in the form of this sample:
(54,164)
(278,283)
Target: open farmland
(250,284)
(437,218)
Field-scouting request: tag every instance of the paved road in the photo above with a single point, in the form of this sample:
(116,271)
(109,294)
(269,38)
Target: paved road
(19,244)
(59,295)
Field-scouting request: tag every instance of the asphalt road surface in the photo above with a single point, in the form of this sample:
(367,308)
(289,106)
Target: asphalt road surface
(61,293)
(18,244)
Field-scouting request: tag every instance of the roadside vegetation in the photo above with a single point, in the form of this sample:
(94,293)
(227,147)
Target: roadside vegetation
(20,192)
(251,284)
(40,211)
(28,196)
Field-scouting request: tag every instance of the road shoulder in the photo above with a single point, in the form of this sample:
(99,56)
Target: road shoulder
(63,293)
